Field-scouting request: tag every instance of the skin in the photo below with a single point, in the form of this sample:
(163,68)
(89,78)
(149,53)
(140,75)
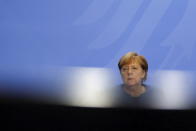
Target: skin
(132,76)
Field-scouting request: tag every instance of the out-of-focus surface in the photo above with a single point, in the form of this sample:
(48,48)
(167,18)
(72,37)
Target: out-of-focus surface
(89,87)
(96,87)
(174,89)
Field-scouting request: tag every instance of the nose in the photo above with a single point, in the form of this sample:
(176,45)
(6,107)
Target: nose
(130,71)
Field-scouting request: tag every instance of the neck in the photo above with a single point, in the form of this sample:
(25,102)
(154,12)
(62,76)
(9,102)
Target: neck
(138,86)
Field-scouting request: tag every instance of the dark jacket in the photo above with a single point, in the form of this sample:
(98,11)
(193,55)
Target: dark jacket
(123,99)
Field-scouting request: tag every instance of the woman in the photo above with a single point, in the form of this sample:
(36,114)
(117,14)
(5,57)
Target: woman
(133,92)
(133,69)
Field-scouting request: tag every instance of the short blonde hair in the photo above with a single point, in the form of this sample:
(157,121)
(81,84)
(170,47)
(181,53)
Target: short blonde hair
(132,57)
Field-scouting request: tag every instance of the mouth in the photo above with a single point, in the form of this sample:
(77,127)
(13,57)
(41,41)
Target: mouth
(130,79)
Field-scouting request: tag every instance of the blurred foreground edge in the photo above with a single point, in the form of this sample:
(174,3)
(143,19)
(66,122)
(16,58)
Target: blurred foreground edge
(24,114)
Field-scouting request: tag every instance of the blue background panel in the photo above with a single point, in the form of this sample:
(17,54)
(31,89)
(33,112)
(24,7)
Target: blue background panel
(96,33)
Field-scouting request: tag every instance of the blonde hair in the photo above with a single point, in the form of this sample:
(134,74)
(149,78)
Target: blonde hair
(132,57)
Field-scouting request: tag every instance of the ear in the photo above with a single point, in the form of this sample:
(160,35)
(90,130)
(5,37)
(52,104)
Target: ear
(143,74)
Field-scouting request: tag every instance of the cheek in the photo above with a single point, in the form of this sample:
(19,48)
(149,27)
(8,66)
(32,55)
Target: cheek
(139,77)
(143,75)
(124,77)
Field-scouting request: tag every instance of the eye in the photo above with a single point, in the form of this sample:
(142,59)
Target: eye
(135,68)
(125,69)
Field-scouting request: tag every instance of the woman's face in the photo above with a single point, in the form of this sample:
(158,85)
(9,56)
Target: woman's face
(132,74)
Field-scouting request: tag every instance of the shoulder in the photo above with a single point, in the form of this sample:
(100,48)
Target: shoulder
(150,91)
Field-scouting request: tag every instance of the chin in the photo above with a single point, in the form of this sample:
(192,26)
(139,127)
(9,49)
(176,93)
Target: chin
(130,84)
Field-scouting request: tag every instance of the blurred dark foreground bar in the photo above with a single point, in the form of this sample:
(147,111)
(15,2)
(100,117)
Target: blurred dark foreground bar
(20,114)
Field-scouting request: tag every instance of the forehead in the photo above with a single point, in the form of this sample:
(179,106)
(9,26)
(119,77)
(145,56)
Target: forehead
(131,65)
